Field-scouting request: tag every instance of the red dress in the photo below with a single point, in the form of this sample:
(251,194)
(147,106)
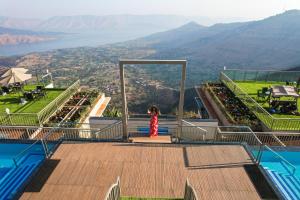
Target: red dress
(154,124)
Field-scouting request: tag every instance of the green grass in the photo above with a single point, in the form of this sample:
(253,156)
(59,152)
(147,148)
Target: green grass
(251,89)
(12,101)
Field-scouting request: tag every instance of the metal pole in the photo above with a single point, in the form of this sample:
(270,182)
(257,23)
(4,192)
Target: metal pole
(181,100)
(124,102)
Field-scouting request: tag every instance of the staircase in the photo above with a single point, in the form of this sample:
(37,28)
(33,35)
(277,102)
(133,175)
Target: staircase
(287,184)
(16,178)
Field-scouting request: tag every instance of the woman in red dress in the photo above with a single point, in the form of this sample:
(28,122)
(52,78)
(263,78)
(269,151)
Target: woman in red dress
(153,112)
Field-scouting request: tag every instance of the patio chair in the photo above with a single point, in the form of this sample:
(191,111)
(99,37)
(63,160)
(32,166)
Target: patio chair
(263,93)
(40,90)
(40,87)
(6,89)
(28,96)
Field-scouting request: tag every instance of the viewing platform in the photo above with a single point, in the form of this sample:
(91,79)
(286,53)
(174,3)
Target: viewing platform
(86,171)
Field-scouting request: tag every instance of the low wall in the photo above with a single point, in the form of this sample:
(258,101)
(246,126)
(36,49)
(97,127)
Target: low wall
(217,110)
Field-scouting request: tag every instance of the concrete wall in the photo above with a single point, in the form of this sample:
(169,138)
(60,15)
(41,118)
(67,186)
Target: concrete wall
(100,122)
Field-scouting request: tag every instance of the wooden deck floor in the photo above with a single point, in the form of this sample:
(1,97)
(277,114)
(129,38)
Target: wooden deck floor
(86,170)
(158,139)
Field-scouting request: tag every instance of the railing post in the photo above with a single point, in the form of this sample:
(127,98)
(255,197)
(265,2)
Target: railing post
(181,98)
(124,102)
(45,148)
(38,117)
(216,134)
(27,133)
(10,121)
(259,154)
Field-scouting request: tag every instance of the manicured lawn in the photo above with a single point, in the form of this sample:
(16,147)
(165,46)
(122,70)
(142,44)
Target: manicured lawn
(12,101)
(251,89)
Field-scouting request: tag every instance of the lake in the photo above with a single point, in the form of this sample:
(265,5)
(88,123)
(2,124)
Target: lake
(72,41)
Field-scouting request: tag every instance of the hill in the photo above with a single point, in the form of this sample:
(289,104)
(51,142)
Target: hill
(270,43)
(151,23)
(9,36)
(18,23)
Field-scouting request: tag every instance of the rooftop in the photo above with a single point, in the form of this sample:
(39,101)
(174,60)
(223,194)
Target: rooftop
(86,171)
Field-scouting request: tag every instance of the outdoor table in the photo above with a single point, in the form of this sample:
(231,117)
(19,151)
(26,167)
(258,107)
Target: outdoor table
(284,91)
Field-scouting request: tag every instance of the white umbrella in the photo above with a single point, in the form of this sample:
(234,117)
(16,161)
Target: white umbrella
(14,75)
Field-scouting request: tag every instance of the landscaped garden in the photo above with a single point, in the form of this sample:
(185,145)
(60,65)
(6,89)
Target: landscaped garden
(251,89)
(75,109)
(12,101)
(272,96)
(33,104)
(235,111)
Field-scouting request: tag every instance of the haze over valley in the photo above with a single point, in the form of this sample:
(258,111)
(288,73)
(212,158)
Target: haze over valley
(271,43)
(84,30)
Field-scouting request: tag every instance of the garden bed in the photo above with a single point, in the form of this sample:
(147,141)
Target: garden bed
(75,109)
(236,111)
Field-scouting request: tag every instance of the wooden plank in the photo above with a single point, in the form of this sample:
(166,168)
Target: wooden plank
(86,171)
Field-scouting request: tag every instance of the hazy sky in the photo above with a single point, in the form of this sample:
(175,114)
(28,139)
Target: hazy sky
(250,9)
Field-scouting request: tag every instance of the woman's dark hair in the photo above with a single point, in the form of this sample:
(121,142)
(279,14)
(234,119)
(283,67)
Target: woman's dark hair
(154,109)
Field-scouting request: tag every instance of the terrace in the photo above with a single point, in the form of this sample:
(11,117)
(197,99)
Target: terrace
(35,110)
(220,163)
(12,100)
(86,171)
(200,160)
(278,114)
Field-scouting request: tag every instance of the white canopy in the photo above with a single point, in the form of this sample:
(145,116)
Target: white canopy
(14,75)
(284,91)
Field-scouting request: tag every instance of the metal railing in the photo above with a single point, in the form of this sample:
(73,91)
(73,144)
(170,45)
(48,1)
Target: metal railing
(31,147)
(34,119)
(269,138)
(25,119)
(17,132)
(242,135)
(290,124)
(189,192)
(279,157)
(190,132)
(111,132)
(114,192)
(263,75)
(289,139)
(51,108)
(52,136)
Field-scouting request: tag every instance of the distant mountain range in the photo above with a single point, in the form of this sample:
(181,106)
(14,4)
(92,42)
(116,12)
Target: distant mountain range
(86,30)
(77,31)
(19,23)
(270,43)
(86,23)
(90,23)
